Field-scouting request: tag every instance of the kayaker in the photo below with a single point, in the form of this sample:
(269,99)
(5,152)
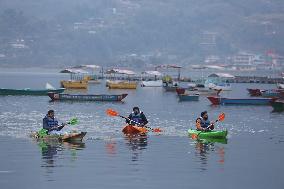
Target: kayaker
(137,117)
(50,123)
(203,123)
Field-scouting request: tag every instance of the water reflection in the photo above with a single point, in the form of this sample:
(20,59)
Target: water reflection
(136,143)
(209,147)
(50,150)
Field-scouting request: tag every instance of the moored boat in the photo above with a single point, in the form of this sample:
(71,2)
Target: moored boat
(27,91)
(134,130)
(157,83)
(240,101)
(255,92)
(72,84)
(89,97)
(121,85)
(187,97)
(271,93)
(278,105)
(72,137)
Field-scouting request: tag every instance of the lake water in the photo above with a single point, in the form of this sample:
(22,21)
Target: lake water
(252,158)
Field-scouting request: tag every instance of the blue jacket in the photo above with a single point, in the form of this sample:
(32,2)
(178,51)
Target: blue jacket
(48,123)
(203,123)
(139,118)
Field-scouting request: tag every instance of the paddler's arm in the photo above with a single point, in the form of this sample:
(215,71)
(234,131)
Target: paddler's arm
(144,119)
(129,118)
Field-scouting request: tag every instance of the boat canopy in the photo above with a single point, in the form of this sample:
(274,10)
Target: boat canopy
(120,71)
(222,75)
(156,73)
(74,71)
(169,66)
(87,66)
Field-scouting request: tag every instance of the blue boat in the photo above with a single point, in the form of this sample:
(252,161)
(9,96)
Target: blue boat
(271,93)
(188,97)
(89,97)
(240,101)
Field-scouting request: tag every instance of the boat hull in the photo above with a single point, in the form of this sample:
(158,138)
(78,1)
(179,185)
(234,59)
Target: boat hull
(29,91)
(186,97)
(75,84)
(241,101)
(134,130)
(81,97)
(158,83)
(208,134)
(254,92)
(278,106)
(122,85)
(71,137)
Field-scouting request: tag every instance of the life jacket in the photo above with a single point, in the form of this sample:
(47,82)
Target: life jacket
(137,118)
(50,122)
(204,123)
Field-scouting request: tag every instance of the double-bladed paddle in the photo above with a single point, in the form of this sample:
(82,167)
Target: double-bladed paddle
(111,112)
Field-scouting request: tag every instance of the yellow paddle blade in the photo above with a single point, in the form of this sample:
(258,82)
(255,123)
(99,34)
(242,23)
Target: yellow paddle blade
(221,117)
(111,112)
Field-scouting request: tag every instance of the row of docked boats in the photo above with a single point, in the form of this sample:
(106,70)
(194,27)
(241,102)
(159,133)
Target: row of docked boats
(57,94)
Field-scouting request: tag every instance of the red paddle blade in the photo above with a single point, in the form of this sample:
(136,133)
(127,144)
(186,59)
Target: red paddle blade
(157,130)
(221,117)
(111,112)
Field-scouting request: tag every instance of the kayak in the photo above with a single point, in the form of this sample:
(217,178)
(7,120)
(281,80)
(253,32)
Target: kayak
(132,130)
(73,137)
(207,134)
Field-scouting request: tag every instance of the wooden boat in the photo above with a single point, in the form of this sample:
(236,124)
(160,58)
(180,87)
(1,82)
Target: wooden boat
(70,137)
(89,97)
(278,105)
(122,85)
(157,83)
(200,91)
(240,101)
(28,91)
(134,130)
(72,84)
(187,97)
(255,92)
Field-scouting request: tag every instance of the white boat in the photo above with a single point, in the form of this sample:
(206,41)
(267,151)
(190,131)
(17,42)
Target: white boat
(157,83)
(280,86)
(220,86)
(152,83)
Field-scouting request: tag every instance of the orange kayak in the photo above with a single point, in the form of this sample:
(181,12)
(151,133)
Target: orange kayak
(129,129)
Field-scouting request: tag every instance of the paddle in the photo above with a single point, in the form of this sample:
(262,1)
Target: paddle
(73,121)
(221,117)
(111,112)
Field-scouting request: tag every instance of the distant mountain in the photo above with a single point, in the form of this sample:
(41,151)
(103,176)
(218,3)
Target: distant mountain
(69,32)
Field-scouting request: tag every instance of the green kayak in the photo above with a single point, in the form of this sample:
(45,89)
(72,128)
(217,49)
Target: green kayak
(207,134)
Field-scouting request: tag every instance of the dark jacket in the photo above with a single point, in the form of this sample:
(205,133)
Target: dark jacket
(51,124)
(139,118)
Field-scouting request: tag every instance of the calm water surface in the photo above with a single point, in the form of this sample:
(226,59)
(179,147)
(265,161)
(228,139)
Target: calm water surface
(252,158)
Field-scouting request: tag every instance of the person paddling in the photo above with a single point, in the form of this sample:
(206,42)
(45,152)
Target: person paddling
(50,124)
(203,123)
(137,118)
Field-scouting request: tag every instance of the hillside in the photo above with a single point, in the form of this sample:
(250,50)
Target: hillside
(69,32)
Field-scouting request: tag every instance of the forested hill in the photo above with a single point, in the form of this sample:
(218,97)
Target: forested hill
(69,32)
